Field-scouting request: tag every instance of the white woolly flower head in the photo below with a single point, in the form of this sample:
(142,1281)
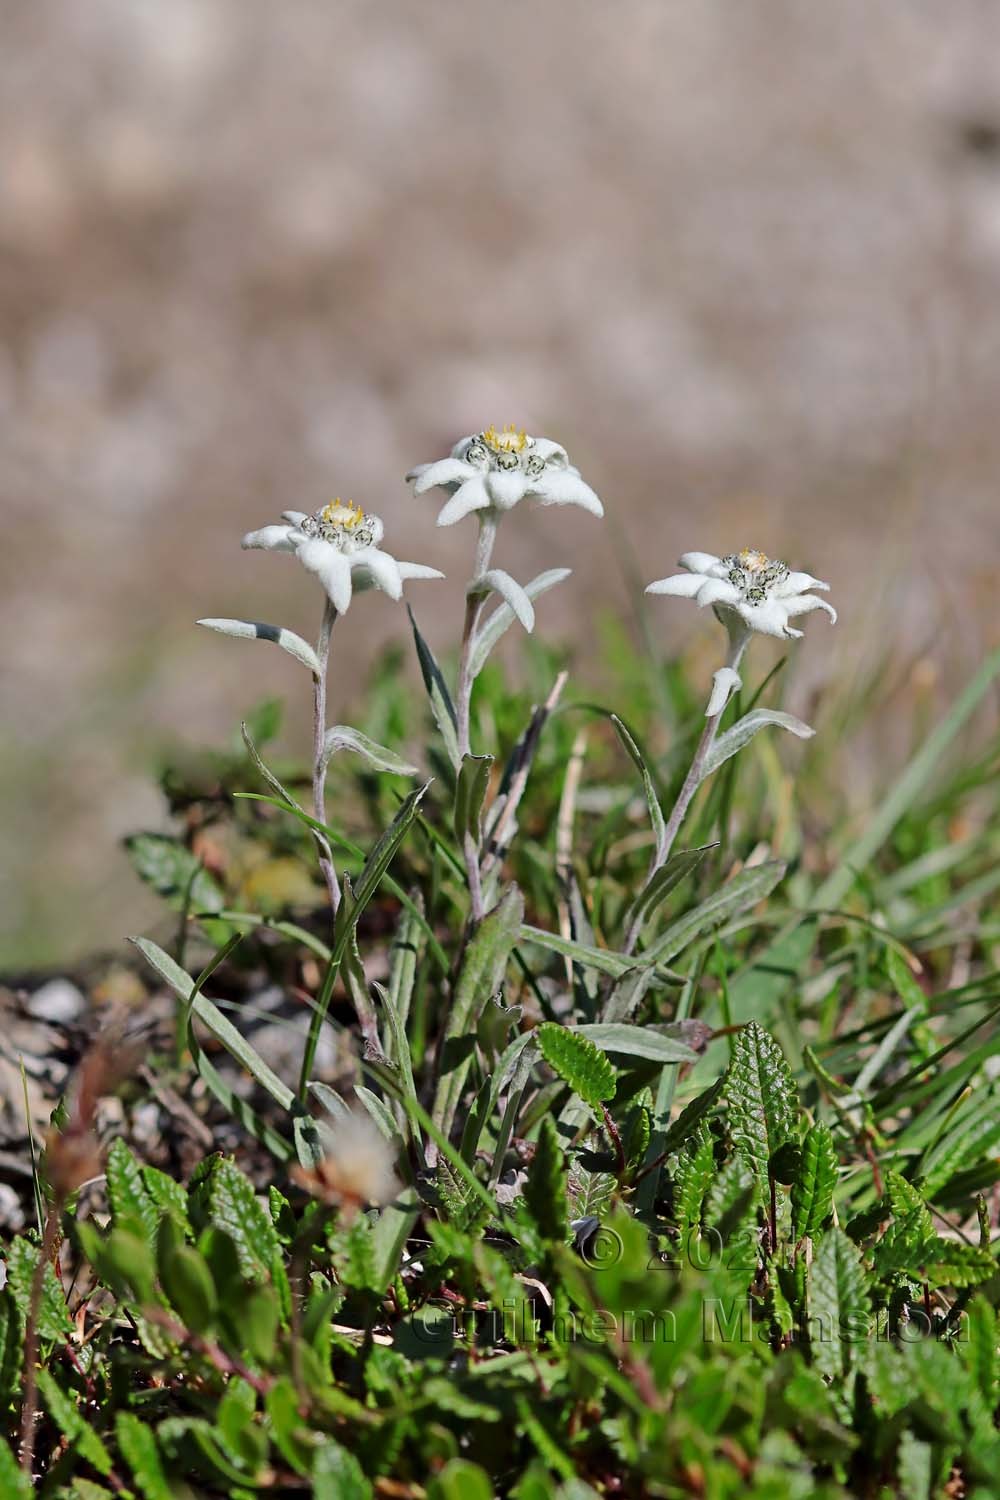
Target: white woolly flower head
(493,470)
(340,545)
(747,590)
(358,1170)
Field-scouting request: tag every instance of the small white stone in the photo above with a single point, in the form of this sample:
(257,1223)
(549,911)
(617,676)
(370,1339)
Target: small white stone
(58,1001)
(11,1218)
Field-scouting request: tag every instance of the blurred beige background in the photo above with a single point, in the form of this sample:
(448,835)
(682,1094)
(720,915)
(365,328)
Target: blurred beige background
(744,260)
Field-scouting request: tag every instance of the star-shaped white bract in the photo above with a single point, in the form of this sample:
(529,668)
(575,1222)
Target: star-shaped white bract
(760,592)
(492,471)
(340,545)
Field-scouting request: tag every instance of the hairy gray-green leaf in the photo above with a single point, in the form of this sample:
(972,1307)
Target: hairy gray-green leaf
(502,618)
(343,737)
(470,794)
(658,887)
(602,959)
(257,630)
(652,800)
(481,977)
(737,895)
(743,731)
(441,703)
(637,1041)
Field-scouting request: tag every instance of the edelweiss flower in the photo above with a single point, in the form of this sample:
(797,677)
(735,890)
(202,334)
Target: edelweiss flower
(763,594)
(494,470)
(340,545)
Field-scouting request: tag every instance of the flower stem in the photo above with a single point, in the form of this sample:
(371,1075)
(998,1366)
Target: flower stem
(475,600)
(473,610)
(692,781)
(319,756)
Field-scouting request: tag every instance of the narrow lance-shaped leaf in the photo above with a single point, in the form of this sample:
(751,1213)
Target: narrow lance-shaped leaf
(545,1189)
(737,895)
(442,706)
(652,800)
(663,881)
(602,959)
(343,737)
(763,1100)
(812,1190)
(257,630)
(581,1064)
(349,914)
(743,731)
(503,618)
(481,977)
(514,594)
(470,794)
(637,1041)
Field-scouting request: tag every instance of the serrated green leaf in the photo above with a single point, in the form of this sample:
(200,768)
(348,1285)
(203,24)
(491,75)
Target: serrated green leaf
(545,1188)
(581,1064)
(952,1263)
(839,1311)
(816,1178)
(236,1210)
(129,1198)
(337,1475)
(13,1480)
(461,1480)
(358,1256)
(693,1174)
(72,1424)
(174,872)
(186,1279)
(138,1445)
(53,1319)
(762,1098)
(167,1194)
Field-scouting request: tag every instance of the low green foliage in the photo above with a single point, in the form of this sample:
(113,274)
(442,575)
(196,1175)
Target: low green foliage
(717,1228)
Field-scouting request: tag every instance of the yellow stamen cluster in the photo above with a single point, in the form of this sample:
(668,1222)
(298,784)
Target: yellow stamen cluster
(508,441)
(753,561)
(337,513)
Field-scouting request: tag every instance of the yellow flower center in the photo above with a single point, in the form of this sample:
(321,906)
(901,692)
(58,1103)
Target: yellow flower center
(753,561)
(508,441)
(337,513)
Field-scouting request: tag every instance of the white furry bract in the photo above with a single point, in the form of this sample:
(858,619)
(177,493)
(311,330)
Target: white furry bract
(493,471)
(339,545)
(748,588)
